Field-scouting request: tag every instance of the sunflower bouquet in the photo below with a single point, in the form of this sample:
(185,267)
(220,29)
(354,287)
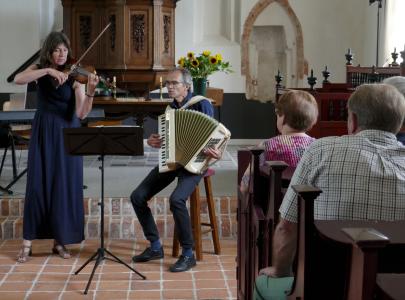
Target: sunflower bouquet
(200,66)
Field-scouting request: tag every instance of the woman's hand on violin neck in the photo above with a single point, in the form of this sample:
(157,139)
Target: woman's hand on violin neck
(59,76)
(92,83)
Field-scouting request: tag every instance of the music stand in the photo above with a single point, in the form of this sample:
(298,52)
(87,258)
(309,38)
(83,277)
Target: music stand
(111,140)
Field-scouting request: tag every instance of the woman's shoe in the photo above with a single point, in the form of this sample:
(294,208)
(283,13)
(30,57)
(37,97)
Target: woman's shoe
(25,251)
(61,251)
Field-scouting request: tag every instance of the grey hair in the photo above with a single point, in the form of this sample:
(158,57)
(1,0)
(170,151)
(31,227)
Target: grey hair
(378,106)
(398,82)
(186,77)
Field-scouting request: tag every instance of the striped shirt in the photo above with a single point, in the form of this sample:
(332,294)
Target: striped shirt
(287,148)
(362,177)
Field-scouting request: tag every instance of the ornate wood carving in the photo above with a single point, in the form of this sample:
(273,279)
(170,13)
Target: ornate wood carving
(138,32)
(138,48)
(85,31)
(112,31)
(166,32)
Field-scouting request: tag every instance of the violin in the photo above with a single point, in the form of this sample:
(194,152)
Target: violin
(81,73)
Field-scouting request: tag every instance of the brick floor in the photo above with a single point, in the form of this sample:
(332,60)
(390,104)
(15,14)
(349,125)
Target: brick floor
(46,276)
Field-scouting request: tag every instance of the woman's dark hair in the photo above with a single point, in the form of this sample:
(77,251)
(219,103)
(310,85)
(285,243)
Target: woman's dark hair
(53,40)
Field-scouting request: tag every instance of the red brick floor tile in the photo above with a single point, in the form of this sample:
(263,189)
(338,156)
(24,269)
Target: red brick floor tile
(48,286)
(177,276)
(46,276)
(144,295)
(114,276)
(21,276)
(149,276)
(145,285)
(108,295)
(12,295)
(15,286)
(57,269)
(212,294)
(208,275)
(77,295)
(177,284)
(26,267)
(178,294)
(114,285)
(210,284)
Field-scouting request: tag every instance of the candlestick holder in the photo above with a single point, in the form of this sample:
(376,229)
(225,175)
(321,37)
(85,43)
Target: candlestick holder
(394,56)
(114,88)
(349,57)
(161,90)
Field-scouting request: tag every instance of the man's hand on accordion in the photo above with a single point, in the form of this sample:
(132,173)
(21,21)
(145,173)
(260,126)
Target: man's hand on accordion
(154,140)
(213,153)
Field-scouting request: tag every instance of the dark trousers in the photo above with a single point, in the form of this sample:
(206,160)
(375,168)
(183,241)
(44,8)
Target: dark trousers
(154,183)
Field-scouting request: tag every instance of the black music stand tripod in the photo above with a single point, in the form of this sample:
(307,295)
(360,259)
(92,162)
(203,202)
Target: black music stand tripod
(104,141)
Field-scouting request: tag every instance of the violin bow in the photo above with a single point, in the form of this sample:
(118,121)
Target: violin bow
(89,48)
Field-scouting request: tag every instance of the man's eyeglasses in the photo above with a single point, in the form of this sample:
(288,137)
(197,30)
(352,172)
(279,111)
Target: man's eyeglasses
(172,83)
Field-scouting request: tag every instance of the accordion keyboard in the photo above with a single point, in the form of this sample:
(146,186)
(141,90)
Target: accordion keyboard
(164,149)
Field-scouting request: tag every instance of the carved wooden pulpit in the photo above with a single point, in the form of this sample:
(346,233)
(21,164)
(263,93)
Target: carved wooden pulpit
(138,46)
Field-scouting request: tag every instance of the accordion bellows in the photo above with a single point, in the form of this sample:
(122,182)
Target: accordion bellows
(185,134)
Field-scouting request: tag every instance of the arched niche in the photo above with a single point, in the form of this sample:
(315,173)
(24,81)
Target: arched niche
(272,40)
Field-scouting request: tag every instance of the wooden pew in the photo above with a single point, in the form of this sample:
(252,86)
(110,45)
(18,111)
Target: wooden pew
(390,286)
(331,265)
(257,215)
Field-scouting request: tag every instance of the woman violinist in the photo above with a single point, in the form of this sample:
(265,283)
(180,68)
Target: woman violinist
(53,206)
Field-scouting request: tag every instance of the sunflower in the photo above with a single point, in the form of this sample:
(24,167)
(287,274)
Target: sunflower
(190,55)
(195,63)
(203,64)
(181,61)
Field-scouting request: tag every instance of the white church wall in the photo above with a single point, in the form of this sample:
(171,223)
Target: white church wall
(329,28)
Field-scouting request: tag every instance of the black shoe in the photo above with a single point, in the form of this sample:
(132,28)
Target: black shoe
(184,263)
(148,255)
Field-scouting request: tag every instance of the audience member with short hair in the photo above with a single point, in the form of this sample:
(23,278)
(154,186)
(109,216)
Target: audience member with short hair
(297,112)
(399,83)
(362,175)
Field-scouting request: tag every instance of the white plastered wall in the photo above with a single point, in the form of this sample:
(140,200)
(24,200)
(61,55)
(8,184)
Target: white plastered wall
(329,28)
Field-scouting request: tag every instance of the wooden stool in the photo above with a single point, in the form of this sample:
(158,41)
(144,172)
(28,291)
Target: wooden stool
(195,209)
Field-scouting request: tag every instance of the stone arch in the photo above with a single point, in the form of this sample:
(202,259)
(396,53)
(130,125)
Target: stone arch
(259,7)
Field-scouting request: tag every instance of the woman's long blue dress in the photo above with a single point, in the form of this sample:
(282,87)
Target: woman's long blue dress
(53,206)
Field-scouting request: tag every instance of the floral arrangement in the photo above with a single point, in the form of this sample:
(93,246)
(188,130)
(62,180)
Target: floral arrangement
(204,64)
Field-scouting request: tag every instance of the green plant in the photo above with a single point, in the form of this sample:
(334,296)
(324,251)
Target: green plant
(204,64)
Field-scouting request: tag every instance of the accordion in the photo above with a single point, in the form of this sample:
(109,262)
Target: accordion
(185,134)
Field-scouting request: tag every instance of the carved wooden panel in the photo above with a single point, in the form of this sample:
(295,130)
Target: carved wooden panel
(85,31)
(112,48)
(112,32)
(139,39)
(167,37)
(166,33)
(137,32)
(138,47)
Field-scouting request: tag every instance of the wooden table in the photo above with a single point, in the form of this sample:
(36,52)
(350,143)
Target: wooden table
(139,108)
(133,107)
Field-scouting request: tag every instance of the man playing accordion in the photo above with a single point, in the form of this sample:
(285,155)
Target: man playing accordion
(178,83)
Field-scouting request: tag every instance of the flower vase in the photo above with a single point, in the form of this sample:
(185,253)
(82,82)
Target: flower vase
(200,86)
